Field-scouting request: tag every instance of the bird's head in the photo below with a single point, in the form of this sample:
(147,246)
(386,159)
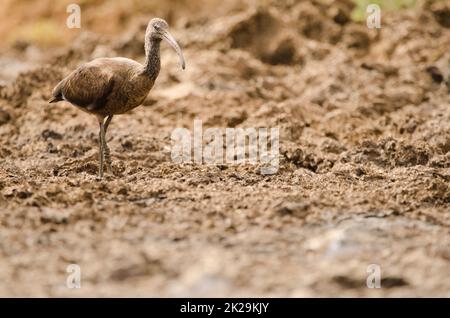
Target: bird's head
(158,29)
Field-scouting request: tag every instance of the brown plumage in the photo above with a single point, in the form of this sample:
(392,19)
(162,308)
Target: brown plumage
(109,86)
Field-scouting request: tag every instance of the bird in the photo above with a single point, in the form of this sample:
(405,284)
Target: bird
(106,87)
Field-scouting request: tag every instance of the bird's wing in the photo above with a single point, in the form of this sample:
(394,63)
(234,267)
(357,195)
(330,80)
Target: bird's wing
(88,87)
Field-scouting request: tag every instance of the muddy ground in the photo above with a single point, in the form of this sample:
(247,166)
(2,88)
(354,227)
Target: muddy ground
(364,118)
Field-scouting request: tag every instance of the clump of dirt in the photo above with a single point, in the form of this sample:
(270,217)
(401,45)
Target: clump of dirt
(363,175)
(261,33)
(441,12)
(18,92)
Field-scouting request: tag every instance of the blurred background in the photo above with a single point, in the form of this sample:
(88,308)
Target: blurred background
(42,22)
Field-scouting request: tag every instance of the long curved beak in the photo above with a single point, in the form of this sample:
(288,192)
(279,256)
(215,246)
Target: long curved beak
(171,40)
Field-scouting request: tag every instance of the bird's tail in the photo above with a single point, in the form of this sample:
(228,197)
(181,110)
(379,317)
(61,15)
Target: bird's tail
(55,99)
(57,95)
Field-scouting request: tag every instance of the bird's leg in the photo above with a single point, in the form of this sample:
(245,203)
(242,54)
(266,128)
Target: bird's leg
(107,122)
(101,137)
(105,146)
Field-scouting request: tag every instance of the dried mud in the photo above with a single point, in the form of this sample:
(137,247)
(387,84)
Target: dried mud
(364,174)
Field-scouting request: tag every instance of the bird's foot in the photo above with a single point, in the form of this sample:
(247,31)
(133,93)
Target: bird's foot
(100,174)
(108,162)
(109,168)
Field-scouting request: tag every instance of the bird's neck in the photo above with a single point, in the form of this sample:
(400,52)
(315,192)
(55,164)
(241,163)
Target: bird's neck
(152,57)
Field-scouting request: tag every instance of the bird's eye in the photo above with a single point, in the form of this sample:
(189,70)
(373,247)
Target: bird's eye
(157,28)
